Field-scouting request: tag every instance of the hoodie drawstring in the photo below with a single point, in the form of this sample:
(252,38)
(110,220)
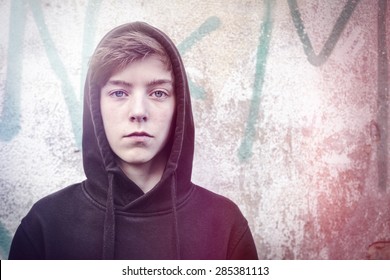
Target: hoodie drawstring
(109,222)
(174,211)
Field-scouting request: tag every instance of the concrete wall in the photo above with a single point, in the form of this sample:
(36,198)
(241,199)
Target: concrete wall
(290,100)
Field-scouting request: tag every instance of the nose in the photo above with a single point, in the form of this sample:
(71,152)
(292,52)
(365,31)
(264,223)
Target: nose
(138,108)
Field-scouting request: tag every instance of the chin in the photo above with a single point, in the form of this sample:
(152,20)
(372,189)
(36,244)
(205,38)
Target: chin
(135,161)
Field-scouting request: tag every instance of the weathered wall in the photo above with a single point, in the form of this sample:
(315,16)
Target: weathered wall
(290,100)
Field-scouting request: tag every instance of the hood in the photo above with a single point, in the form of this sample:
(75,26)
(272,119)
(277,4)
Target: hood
(106,183)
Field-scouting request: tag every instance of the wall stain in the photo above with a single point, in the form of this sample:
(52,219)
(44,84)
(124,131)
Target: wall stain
(383,97)
(383,70)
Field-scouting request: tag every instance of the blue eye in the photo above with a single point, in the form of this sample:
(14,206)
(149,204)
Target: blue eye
(118,93)
(159,94)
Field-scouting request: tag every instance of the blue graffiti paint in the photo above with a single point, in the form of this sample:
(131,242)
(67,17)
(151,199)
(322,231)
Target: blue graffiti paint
(383,97)
(10,115)
(10,118)
(91,13)
(211,24)
(5,240)
(318,60)
(196,91)
(245,150)
(58,67)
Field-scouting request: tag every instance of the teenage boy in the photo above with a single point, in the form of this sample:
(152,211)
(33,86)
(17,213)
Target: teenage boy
(138,201)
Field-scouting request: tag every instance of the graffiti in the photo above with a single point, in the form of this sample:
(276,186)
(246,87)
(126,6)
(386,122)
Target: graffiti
(91,15)
(206,28)
(58,67)
(5,240)
(10,117)
(245,150)
(318,60)
(10,123)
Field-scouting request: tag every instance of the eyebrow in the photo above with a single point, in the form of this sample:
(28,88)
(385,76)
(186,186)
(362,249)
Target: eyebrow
(130,85)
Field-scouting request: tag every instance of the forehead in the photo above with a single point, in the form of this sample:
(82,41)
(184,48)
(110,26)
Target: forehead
(144,70)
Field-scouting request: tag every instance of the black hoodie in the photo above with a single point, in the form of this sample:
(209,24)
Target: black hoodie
(108,216)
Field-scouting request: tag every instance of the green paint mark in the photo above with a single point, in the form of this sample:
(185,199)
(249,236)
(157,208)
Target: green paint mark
(196,91)
(211,24)
(245,150)
(74,106)
(10,115)
(206,28)
(90,20)
(5,241)
(318,60)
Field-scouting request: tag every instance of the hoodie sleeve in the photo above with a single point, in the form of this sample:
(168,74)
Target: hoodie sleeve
(22,247)
(245,248)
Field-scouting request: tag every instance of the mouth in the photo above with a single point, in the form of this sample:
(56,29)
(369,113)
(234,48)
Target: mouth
(139,134)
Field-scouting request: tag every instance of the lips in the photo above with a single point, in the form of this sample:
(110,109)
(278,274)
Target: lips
(139,134)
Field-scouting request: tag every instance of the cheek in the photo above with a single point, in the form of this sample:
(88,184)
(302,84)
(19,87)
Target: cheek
(109,120)
(168,116)
(162,113)
(103,109)
(106,116)
(111,113)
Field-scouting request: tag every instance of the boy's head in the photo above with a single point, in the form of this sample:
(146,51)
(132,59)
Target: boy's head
(137,98)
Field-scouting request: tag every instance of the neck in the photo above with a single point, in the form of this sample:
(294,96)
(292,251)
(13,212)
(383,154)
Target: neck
(145,175)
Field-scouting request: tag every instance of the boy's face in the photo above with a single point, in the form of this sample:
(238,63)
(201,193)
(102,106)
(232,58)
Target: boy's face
(137,106)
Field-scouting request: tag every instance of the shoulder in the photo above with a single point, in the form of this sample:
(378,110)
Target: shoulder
(53,205)
(226,219)
(208,196)
(219,205)
(60,198)
(44,220)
